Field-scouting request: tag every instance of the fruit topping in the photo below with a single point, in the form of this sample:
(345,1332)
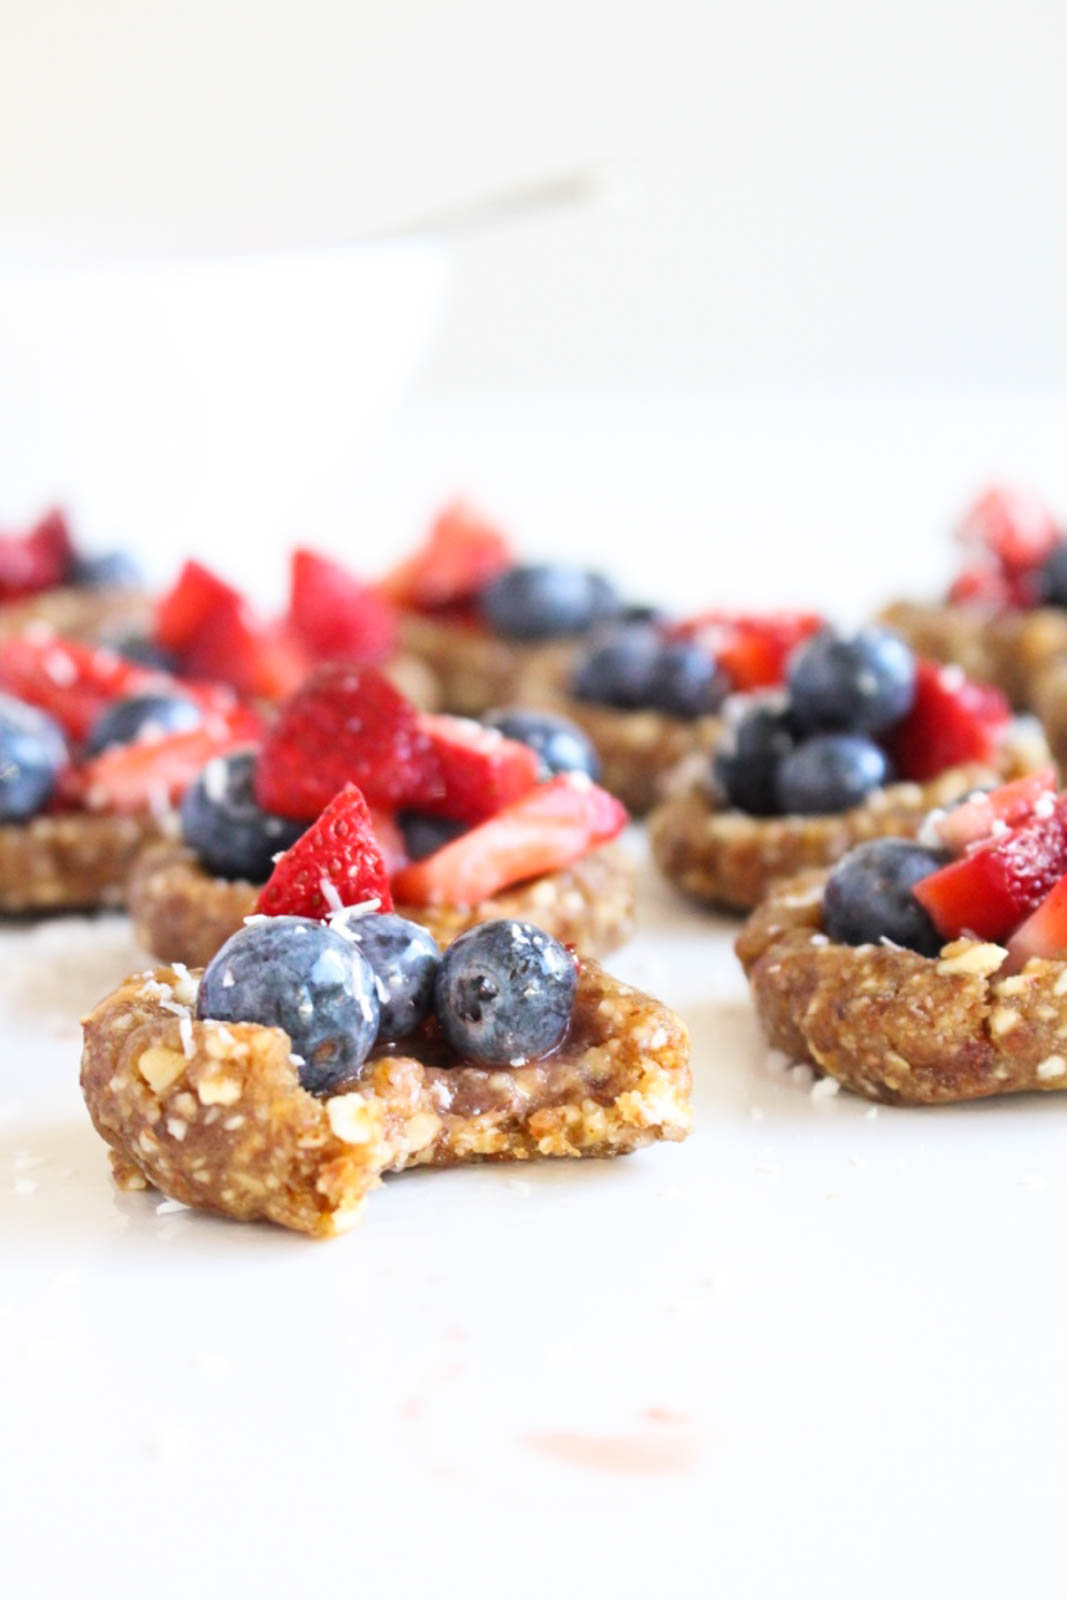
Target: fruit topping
(75,683)
(334,615)
(404,958)
(746,760)
(868,896)
(560,745)
(1051,578)
(462,552)
(1044,933)
(153,776)
(861,684)
(115,569)
(423,835)
(37,560)
(33,753)
(980,816)
(988,586)
(232,835)
(475,770)
(504,993)
(548,828)
(952,720)
(1013,525)
(993,888)
(296,974)
(752,651)
(337,862)
(547,602)
(829,773)
(634,667)
(344,725)
(189,604)
(235,646)
(144,717)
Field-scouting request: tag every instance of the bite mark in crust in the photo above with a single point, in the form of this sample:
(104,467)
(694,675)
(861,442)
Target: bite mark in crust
(182,913)
(899,1027)
(728,858)
(213,1114)
(73,861)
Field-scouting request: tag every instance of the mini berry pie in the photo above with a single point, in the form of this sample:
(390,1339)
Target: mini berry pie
(370,799)
(45,578)
(311,1058)
(920,973)
(94,752)
(649,692)
(1004,618)
(863,742)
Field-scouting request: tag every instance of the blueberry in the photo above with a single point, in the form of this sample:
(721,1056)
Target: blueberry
(291,973)
(32,752)
(142,716)
(233,836)
(685,681)
(746,763)
(862,684)
(1052,579)
(868,896)
(618,668)
(404,958)
(424,835)
(114,570)
(504,993)
(561,745)
(639,611)
(545,602)
(147,653)
(829,773)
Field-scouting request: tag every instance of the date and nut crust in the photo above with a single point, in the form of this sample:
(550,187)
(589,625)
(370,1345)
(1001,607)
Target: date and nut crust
(727,858)
(213,1114)
(899,1027)
(92,616)
(72,861)
(475,670)
(182,913)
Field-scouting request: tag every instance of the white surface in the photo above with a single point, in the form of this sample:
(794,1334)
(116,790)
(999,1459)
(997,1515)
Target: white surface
(804,1353)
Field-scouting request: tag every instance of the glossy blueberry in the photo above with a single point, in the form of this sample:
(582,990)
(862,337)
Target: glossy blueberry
(685,681)
(113,570)
(860,684)
(404,958)
(545,602)
(561,745)
(233,836)
(868,896)
(142,716)
(746,763)
(147,653)
(423,835)
(1052,580)
(617,669)
(830,772)
(639,611)
(291,973)
(504,993)
(32,753)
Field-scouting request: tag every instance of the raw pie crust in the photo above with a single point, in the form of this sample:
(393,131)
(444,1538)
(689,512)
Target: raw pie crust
(899,1027)
(182,913)
(475,670)
(72,861)
(213,1113)
(92,616)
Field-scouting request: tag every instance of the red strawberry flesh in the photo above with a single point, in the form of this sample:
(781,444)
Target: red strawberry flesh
(1044,933)
(990,891)
(477,770)
(952,720)
(335,616)
(1009,806)
(337,862)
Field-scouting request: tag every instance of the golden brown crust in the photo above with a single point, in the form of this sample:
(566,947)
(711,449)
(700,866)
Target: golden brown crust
(474,669)
(896,1026)
(90,615)
(182,913)
(728,858)
(1010,649)
(73,861)
(213,1114)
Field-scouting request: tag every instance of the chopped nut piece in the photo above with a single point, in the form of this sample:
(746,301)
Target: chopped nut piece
(965,956)
(160,1067)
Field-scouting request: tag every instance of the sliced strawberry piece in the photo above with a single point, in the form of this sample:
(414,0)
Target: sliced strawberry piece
(189,603)
(1013,525)
(73,682)
(37,560)
(1044,933)
(337,862)
(478,770)
(390,837)
(232,645)
(987,814)
(952,720)
(985,585)
(991,890)
(460,555)
(548,828)
(753,651)
(152,775)
(345,725)
(334,615)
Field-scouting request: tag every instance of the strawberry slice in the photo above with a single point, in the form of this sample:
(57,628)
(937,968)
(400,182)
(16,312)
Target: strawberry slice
(344,725)
(1013,525)
(152,775)
(984,815)
(37,560)
(478,770)
(1043,934)
(234,646)
(753,651)
(548,828)
(187,606)
(990,891)
(73,682)
(461,553)
(337,862)
(984,585)
(335,616)
(952,720)
(390,837)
